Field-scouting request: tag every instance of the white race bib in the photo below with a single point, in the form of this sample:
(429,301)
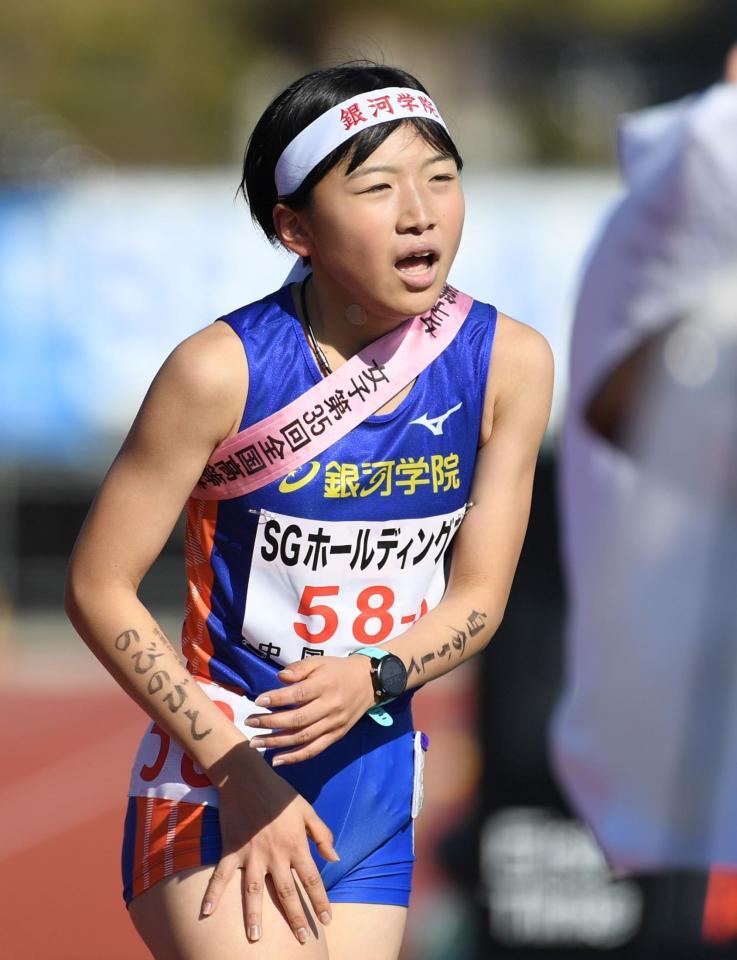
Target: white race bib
(327,587)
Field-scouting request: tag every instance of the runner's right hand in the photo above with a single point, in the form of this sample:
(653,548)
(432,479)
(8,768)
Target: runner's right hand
(264,824)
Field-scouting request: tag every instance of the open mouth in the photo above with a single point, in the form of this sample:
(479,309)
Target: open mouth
(416,263)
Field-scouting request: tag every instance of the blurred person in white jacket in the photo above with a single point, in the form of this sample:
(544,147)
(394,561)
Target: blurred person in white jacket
(644,739)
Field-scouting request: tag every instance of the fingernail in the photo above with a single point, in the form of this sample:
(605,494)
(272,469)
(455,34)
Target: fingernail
(254,933)
(206,908)
(285,673)
(277,762)
(302,935)
(262,701)
(253,722)
(335,854)
(325,917)
(256,742)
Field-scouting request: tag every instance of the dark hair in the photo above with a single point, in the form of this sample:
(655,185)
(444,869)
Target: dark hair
(304,101)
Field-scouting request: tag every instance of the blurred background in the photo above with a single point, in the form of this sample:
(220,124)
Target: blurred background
(122,127)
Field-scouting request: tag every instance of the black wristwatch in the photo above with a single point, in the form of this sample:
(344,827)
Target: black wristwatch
(388,673)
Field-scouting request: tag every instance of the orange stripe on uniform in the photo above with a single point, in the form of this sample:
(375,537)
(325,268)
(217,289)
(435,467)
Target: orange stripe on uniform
(720,908)
(168,839)
(189,836)
(189,823)
(158,814)
(198,544)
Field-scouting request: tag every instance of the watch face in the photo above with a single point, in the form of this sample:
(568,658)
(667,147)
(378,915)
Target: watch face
(392,676)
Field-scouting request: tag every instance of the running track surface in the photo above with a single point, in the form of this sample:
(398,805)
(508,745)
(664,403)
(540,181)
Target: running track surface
(66,757)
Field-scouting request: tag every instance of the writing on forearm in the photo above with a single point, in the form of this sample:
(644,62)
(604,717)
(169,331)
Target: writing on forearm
(159,681)
(125,639)
(476,622)
(176,696)
(164,639)
(144,660)
(192,716)
(455,647)
(459,641)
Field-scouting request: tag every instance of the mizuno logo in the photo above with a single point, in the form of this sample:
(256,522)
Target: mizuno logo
(435,424)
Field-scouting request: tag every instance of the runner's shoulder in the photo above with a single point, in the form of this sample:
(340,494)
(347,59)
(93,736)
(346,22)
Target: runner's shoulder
(521,358)
(209,366)
(522,350)
(206,375)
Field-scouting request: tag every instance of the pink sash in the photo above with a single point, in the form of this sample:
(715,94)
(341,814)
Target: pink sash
(328,411)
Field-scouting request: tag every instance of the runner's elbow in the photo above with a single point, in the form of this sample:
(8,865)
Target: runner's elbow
(87,590)
(77,593)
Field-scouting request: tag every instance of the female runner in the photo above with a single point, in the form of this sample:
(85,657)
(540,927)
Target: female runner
(272,801)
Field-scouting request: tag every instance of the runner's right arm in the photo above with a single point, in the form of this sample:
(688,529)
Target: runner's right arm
(195,402)
(185,411)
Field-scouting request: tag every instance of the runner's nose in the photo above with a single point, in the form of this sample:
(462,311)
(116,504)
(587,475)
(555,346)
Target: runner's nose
(416,214)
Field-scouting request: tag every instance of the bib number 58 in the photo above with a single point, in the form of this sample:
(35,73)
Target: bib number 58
(373,604)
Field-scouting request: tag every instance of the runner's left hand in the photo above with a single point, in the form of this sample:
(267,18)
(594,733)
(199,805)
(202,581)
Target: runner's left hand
(326,697)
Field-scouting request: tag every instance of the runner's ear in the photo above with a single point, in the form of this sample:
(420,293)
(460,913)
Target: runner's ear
(292,229)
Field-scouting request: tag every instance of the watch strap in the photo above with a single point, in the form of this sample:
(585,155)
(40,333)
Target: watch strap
(377,713)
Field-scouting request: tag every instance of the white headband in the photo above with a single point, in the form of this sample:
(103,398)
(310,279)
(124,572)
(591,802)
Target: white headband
(343,121)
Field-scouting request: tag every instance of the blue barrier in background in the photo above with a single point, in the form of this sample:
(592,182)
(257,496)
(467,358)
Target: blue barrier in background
(101,278)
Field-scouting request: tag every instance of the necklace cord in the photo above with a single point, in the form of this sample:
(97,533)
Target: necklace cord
(322,360)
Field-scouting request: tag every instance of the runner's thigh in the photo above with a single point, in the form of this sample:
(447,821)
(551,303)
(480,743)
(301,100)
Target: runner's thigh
(167,916)
(365,931)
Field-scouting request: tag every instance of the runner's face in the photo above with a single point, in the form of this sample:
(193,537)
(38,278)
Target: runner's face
(366,228)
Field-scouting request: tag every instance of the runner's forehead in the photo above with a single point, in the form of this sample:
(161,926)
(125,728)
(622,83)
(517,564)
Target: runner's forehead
(394,163)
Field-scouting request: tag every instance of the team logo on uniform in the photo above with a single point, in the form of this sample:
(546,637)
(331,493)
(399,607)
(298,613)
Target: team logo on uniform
(435,424)
(300,477)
